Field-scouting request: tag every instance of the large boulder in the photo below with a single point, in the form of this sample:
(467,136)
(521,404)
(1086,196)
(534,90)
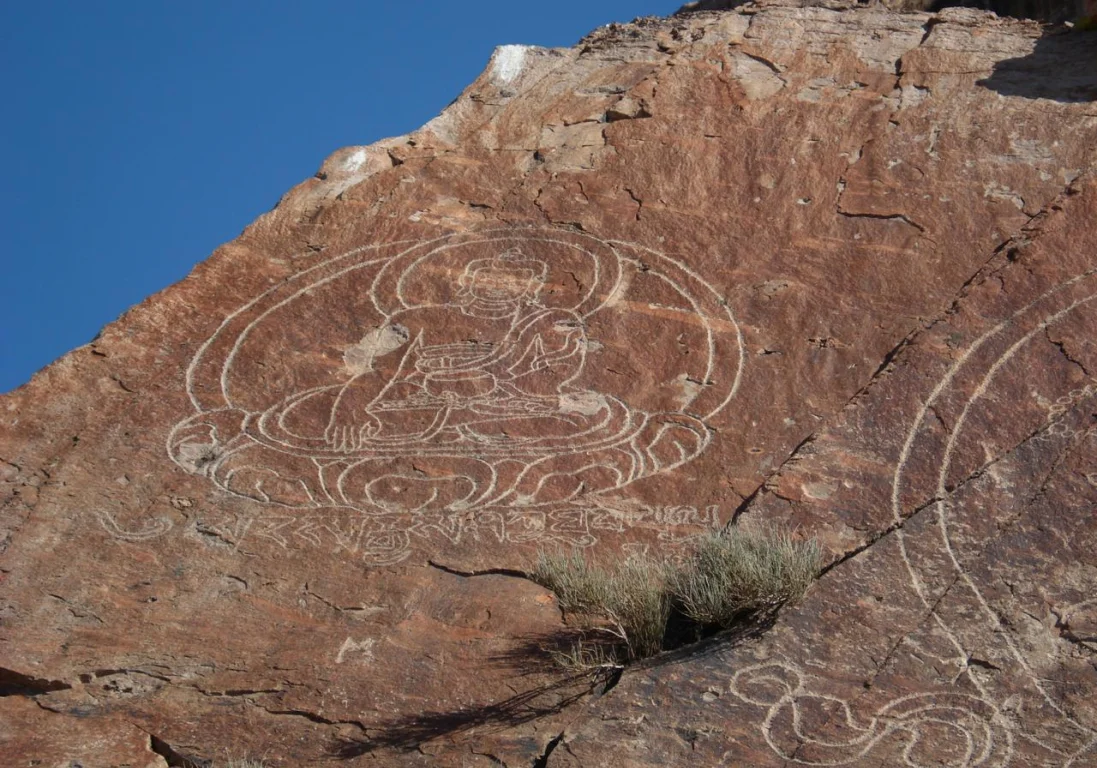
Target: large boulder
(831,269)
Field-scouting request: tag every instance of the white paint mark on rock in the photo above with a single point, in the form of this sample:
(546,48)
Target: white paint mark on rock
(586,403)
(359,358)
(361,649)
(689,390)
(508,62)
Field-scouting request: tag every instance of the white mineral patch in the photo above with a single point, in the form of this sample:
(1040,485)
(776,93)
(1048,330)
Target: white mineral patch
(507,63)
(356,160)
(690,388)
(822,490)
(756,79)
(586,403)
(380,341)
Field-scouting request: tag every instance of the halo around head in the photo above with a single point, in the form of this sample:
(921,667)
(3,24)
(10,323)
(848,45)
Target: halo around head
(579,272)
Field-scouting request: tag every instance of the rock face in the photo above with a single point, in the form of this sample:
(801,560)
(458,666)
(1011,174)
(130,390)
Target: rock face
(1057,11)
(831,269)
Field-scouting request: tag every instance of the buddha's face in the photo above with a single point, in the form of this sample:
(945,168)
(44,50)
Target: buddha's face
(495,285)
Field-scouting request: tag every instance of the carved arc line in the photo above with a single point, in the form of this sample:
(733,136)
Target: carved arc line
(943,507)
(893,716)
(720,302)
(904,457)
(1091,745)
(904,454)
(445,451)
(152,529)
(232,316)
(227,366)
(711,362)
(485,237)
(871,734)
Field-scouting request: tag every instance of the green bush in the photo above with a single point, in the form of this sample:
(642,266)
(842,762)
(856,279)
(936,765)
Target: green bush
(625,606)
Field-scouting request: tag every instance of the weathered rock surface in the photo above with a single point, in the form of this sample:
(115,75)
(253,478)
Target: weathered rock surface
(1057,11)
(828,268)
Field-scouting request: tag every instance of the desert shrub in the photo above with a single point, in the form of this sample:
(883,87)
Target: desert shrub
(727,576)
(579,586)
(739,571)
(639,604)
(630,597)
(588,652)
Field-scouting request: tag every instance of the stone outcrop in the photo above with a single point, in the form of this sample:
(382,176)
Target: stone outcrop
(832,269)
(1056,11)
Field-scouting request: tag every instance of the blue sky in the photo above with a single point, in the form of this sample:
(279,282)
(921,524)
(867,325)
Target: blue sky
(138,136)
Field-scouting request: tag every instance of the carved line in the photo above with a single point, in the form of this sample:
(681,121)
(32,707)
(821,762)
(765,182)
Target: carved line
(889,719)
(233,315)
(281,295)
(1081,752)
(485,237)
(151,530)
(227,365)
(904,458)
(943,507)
(720,301)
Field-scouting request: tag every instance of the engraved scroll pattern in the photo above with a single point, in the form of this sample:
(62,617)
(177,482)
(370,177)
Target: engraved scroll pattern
(982,724)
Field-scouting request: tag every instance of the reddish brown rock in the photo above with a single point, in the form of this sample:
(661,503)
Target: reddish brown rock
(32,735)
(829,268)
(955,625)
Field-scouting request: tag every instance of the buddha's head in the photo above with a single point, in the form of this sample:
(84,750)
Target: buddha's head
(507,279)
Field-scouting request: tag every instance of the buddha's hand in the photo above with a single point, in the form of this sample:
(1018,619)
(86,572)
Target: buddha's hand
(459,386)
(351,428)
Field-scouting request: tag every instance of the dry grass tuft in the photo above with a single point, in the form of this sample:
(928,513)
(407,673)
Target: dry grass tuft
(739,571)
(625,606)
(629,597)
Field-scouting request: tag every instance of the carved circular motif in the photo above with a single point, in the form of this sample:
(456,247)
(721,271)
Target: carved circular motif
(509,369)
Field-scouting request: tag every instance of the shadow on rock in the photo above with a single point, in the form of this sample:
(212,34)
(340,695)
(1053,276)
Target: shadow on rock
(409,732)
(712,641)
(536,656)
(1062,67)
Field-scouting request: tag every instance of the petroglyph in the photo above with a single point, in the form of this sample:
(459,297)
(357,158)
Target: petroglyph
(412,382)
(969,390)
(390,539)
(360,651)
(987,656)
(971,733)
(150,530)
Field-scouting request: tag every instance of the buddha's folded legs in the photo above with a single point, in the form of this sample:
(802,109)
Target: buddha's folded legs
(664,441)
(264,474)
(217,444)
(416,483)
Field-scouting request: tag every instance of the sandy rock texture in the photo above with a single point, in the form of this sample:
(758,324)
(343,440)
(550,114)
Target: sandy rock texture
(832,269)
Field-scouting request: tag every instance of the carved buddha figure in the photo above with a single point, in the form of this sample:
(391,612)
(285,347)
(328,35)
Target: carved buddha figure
(496,367)
(469,403)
